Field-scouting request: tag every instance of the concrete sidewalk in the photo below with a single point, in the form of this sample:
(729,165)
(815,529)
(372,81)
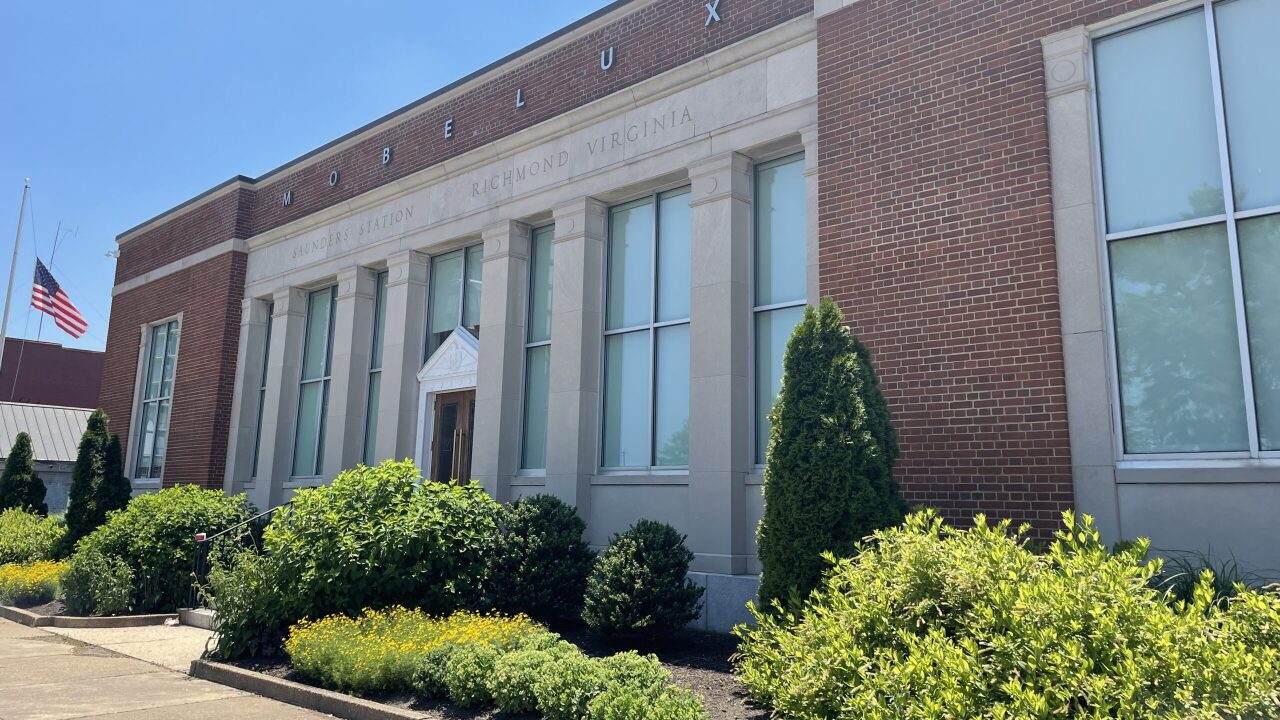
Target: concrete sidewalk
(127,673)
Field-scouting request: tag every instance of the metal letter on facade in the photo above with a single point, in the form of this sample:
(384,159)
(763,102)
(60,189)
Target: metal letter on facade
(519,98)
(287,200)
(333,179)
(606,59)
(448,128)
(386,155)
(713,12)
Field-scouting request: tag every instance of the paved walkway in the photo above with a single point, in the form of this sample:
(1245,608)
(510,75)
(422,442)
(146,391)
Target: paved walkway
(128,674)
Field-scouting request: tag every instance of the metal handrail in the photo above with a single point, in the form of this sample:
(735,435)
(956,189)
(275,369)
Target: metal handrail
(204,544)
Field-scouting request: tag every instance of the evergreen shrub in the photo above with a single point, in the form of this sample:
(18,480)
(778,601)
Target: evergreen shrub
(935,622)
(828,479)
(26,537)
(95,483)
(640,585)
(20,486)
(541,563)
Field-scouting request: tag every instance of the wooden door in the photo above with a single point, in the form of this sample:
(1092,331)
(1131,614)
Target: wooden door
(451,436)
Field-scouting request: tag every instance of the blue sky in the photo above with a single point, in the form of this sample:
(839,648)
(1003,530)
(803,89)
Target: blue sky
(119,111)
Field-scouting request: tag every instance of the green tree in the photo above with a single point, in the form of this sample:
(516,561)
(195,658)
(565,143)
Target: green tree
(116,488)
(20,486)
(828,474)
(85,510)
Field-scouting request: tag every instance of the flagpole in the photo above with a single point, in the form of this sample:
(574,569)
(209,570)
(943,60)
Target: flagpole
(13,267)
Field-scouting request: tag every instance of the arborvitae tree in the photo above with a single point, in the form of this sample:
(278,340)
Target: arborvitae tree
(828,479)
(84,508)
(20,487)
(116,488)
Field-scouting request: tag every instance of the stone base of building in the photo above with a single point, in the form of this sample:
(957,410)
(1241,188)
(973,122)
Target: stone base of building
(724,605)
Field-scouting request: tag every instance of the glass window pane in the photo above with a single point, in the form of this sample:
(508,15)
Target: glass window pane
(1177,345)
(310,408)
(170,360)
(155,368)
(540,285)
(1159,132)
(379,321)
(162,439)
(671,396)
(626,400)
(629,282)
(675,224)
(148,433)
(773,330)
(780,233)
(446,292)
(536,389)
(475,280)
(315,354)
(1249,55)
(1260,257)
(371,418)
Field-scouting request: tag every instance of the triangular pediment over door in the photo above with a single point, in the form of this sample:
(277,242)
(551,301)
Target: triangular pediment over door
(451,367)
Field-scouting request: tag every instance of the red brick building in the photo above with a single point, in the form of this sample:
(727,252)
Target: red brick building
(573,271)
(45,373)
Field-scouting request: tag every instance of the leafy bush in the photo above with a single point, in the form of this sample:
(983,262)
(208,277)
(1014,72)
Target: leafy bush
(97,584)
(640,585)
(27,584)
(931,621)
(566,686)
(541,563)
(655,702)
(634,670)
(26,537)
(428,675)
(95,478)
(828,474)
(514,676)
(242,586)
(20,486)
(467,672)
(155,536)
(374,537)
(381,650)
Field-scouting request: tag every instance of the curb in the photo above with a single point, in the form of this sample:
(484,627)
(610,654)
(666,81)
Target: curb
(30,619)
(294,693)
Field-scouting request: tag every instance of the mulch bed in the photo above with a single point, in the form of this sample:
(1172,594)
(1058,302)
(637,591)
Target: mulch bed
(698,661)
(57,607)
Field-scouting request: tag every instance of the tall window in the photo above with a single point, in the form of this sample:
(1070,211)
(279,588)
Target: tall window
(646,342)
(157,400)
(455,294)
(313,395)
(375,370)
(780,279)
(1191,185)
(262,390)
(537,352)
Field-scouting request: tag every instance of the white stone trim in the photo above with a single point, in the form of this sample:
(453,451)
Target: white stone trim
(195,258)
(452,367)
(826,7)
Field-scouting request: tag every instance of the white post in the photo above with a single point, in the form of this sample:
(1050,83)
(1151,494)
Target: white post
(13,267)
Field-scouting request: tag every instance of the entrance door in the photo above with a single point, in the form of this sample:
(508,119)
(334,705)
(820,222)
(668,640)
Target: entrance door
(451,440)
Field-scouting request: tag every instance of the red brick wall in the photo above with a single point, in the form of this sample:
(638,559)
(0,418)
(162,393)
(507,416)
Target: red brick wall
(936,239)
(208,296)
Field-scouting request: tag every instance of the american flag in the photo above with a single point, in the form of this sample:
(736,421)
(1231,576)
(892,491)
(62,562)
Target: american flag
(48,296)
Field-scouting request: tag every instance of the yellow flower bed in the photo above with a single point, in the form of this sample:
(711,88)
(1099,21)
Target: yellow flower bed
(380,649)
(30,583)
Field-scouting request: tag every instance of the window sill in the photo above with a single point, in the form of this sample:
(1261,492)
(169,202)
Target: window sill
(641,477)
(1133,472)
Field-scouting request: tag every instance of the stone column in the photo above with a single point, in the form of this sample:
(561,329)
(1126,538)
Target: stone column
(574,397)
(280,408)
(349,370)
(719,412)
(405,330)
(244,404)
(495,446)
(1078,242)
(809,136)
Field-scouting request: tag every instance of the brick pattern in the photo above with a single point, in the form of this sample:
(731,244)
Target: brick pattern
(655,38)
(208,296)
(936,239)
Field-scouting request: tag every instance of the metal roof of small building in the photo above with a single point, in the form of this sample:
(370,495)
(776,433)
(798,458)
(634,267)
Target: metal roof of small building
(55,431)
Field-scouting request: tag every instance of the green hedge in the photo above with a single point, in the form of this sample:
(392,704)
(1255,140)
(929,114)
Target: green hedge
(373,538)
(934,622)
(27,537)
(154,535)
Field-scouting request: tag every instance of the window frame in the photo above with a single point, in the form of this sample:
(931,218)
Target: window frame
(464,251)
(653,198)
(318,459)
(531,344)
(1230,218)
(757,310)
(378,339)
(141,401)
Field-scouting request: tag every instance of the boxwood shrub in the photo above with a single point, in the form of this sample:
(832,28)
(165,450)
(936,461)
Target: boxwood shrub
(373,538)
(155,536)
(932,621)
(640,586)
(541,563)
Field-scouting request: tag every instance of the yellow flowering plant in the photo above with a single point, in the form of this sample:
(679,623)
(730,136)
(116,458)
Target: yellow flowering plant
(27,584)
(379,649)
